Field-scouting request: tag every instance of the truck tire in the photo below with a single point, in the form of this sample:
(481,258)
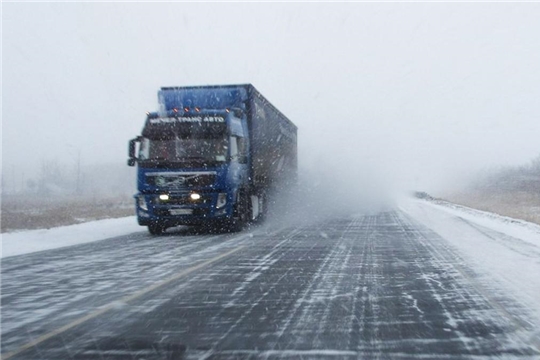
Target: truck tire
(242,212)
(156,229)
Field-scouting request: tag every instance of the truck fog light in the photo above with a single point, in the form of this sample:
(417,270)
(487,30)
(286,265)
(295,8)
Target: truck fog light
(142,203)
(220,212)
(164,197)
(195,196)
(221,200)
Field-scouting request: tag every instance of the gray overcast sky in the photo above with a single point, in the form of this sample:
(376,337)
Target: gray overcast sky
(418,93)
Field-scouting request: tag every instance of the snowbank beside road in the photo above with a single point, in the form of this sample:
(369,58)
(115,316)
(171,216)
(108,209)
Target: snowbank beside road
(25,242)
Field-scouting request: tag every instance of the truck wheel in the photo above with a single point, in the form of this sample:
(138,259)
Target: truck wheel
(242,212)
(156,229)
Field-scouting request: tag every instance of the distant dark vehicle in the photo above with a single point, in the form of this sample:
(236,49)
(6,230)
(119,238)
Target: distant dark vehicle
(212,155)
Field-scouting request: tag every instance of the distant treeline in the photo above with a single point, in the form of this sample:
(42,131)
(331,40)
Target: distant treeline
(56,179)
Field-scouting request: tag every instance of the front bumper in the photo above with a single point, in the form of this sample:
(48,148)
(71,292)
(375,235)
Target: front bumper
(181,209)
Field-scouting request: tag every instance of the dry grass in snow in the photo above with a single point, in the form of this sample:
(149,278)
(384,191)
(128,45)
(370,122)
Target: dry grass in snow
(25,212)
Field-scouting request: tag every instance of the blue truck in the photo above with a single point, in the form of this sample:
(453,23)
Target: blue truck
(212,156)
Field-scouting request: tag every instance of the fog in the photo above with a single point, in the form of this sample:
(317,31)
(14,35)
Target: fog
(387,97)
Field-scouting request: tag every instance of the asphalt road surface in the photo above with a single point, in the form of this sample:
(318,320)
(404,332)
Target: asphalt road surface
(368,286)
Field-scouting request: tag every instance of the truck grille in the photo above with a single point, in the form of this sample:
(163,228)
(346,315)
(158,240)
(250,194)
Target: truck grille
(180,181)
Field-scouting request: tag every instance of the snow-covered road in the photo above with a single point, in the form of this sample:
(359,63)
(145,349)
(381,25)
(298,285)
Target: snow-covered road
(423,280)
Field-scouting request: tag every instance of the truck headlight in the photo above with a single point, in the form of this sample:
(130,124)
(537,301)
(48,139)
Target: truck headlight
(195,196)
(221,200)
(164,197)
(142,203)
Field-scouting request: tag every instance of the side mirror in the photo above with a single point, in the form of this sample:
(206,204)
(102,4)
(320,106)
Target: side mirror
(131,151)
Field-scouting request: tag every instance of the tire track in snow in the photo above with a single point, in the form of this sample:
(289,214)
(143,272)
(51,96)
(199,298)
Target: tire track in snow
(324,289)
(304,302)
(513,244)
(265,260)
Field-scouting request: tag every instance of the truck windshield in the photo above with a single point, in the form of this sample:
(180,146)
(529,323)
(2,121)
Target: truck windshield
(179,150)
